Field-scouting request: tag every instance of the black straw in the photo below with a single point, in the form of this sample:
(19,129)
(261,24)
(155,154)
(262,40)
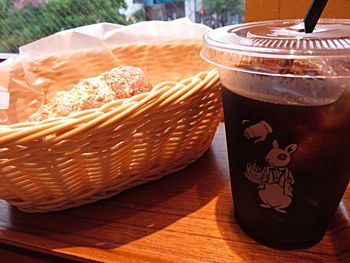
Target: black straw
(313,14)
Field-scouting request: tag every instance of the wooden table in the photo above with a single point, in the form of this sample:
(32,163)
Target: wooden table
(184,217)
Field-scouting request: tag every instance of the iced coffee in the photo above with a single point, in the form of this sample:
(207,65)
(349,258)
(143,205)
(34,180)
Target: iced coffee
(286,98)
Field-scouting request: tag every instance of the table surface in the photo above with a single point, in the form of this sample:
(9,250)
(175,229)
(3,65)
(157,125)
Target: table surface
(183,217)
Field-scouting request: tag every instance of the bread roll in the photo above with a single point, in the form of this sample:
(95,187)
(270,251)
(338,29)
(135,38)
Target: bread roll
(120,82)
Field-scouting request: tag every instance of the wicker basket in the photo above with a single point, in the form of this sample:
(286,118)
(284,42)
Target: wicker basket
(94,154)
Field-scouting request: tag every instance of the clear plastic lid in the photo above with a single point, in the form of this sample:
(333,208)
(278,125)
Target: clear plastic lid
(282,48)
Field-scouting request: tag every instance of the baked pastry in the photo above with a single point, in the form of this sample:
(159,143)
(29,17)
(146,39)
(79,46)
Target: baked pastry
(120,82)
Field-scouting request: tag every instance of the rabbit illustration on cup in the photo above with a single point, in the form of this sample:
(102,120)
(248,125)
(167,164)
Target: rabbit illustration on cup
(275,180)
(277,192)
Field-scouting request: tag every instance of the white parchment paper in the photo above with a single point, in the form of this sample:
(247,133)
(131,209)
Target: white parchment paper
(58,61)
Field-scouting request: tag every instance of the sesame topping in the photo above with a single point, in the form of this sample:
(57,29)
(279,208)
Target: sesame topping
(120,82)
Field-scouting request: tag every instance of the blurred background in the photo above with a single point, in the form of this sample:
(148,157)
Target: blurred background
(24,21)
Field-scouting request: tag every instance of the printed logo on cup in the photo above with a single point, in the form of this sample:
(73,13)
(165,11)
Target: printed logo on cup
(274,180)
(259,131)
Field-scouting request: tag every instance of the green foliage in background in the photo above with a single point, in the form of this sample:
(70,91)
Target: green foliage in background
(221,10)
(139,15)
(19,27)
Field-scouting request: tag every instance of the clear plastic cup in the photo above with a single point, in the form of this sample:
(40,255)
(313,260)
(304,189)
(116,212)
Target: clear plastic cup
(286,97)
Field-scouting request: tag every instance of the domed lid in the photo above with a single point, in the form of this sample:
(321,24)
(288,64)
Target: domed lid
(281,47)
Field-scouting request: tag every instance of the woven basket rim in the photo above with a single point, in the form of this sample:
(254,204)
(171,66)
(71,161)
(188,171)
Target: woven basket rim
(119,107)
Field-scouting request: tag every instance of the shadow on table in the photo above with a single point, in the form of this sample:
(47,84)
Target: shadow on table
(335,246)
(339,232)
(129,216)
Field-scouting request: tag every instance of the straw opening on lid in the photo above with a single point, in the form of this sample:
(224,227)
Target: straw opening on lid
(313,15)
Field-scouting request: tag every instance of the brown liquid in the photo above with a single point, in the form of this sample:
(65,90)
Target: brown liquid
(319,167)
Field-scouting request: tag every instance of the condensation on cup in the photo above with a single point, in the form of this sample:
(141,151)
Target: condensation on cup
(286,97)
